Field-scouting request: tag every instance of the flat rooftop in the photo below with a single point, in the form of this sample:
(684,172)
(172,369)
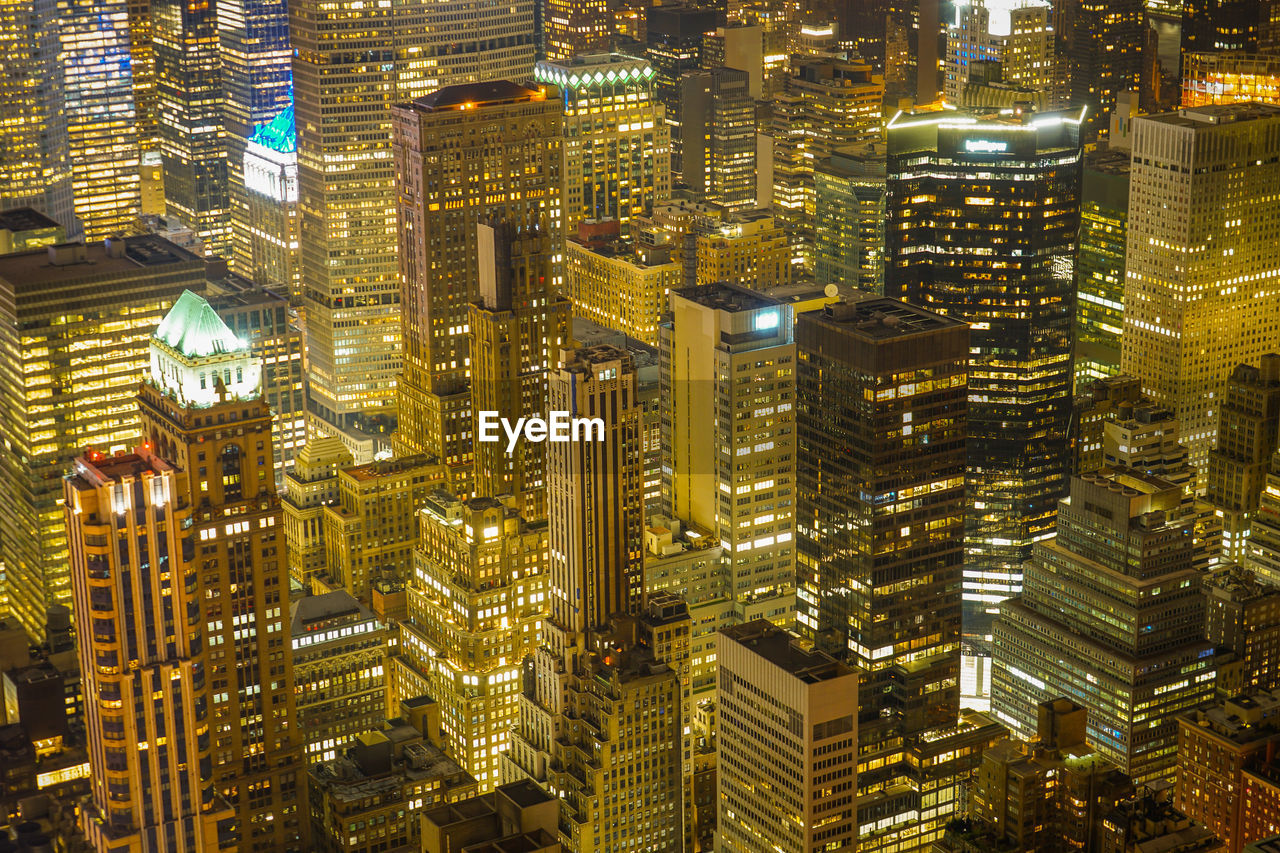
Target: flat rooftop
(141,252)
(1216,114)
(726,297)
(879,317)
(17,219)
(467,96)
(779,647)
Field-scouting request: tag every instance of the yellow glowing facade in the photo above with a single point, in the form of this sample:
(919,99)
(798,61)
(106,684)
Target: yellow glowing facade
(617,144)
(749,248)
(1230,77)
(1202,271)
(73,348)
(476,604)
(620,287)
(573,27)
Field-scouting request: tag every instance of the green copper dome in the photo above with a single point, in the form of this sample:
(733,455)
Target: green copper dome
(195,330)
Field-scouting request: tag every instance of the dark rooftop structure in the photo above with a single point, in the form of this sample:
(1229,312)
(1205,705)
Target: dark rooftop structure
(879,317)
(116,256)
(781,648)
(465,96)
(18,219)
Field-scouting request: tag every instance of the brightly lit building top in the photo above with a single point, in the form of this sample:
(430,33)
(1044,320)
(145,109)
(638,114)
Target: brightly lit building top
(271,159)
(279,134)
(596,69)
(198,360)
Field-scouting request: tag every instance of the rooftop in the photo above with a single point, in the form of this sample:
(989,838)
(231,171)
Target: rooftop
(279,134)
(724,296)
(98,469)
(1215,114)
(879,317)
(780,648)
(38,268)
(305,612)
(466,96)
(1242,719)
(18,219)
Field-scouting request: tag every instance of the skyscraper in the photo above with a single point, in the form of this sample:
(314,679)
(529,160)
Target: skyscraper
(882,396)
(1187,326)
(1230,77)
(510,163)
(1248,429)
(71,312)
(257,89)
(806,732)
(731,350)
(674,36)
(101,121)
(264,199)
(1104,217)
(346,188)
(718,145)
(145,673)
(617,146)
(1100,47)
(829,104)
(517,326)
(574,27)
(848,215)
(1112,617)
(606,650)
(189,92)
(982,225)
(1017,34)
(203,379)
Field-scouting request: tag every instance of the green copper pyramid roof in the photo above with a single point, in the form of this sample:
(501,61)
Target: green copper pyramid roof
(194,329)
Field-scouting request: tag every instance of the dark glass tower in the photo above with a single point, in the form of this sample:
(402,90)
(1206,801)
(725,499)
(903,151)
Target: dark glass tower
(983,215)
(1100,43)
(881,402)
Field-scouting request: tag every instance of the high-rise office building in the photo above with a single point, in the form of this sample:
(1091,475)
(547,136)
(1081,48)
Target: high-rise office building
(573,27)
(1187,326)
(148,717)
(257,90)
(518,325)
(259,314)
(1100,46)
(729,349)
(828,104)
(848,215)
(718,136)
(1230,77)
(1262,549)
(1242,622)
(617,146)
(1018,34)
(477,598)
(792,711)
(1104,216)
(34,171)
(605,648)
(982,226)
(95,79)
(189,103)
(1248,428)
(1112,617)
(346,180)
(201,406)
(1211,26)
(508,168)
(748,248)
(339,661)
(887,380)
(674,35)
(264,200)
(75,324)
(309,487)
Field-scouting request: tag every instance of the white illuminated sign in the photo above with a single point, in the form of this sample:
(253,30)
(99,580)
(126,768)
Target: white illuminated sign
(766,320)
(985,146)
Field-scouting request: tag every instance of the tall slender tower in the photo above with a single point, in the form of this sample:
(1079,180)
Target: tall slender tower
(462,153)
(1200,191)
(189,106)
(100,119)
(350,66)
(982,225)
(202,408)
(729,381)
(143,666)
(517,327)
